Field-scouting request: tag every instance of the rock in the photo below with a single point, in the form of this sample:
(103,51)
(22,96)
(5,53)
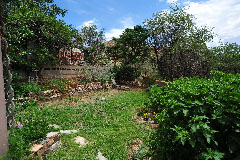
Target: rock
(48,145)
(47,92)
(54,96)
(68,131)
(162,83)
(114,82)
(81,141)
(125,88)
(54,126)
(56,145)
(118,87)
(100,156)
(36,147)
(52,134)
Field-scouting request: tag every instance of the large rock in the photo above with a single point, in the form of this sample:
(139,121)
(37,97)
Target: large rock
(68,131)
(52,134)
(48,145)
(81,141)
(162,83)
(100,156)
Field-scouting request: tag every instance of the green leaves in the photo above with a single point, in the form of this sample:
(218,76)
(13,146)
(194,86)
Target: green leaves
(178,44)
(131,47)
(34,34)
(225,57)
(202,117)
(92,42)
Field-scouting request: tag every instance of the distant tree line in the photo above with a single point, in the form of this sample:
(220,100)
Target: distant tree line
(170,40)
(176,46)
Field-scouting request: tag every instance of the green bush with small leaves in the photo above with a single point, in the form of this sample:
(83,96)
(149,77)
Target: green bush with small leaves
(198,118)
(31,126)
(57,84)
(125,73)
(24,89)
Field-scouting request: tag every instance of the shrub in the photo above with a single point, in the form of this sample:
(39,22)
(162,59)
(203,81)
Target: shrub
(125,73)
(34,127)
(100,73)
(198,118)
(57,84)
(225,57)
(24,89)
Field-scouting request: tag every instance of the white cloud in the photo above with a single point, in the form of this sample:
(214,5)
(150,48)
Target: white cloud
(113,33)
(126,22)
(111,9)
(89,23)
(223,15)
(172,1)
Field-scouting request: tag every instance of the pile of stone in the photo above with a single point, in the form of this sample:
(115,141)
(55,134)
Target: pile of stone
(51,143)
(73,89)
(93,86)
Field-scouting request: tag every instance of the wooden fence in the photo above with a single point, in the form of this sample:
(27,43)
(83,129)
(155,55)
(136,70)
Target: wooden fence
(62,71)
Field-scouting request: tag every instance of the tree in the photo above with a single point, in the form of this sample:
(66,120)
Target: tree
(131,47)
(226,58)
(34,33)
(93,43)
(178,44)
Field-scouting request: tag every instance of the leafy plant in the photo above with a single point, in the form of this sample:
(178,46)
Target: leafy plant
(57,84)
(225,57)
(198,118)
(92,42)
(24,89)
(34,34)
(178,44)
(125,73)
(32,126)
(101,73)
(131,47)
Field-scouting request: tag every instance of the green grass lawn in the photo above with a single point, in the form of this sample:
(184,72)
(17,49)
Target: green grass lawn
(108,125)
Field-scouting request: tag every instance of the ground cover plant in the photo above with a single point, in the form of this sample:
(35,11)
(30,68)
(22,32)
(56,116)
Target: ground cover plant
(198,118)
(107,124)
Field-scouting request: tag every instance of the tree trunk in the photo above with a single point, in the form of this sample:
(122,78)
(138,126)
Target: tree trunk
(3,118)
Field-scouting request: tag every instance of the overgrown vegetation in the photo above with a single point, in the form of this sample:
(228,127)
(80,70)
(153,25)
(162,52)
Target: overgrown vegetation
(31,127)
(178,44)
(34,34)
(107,125)
(92,44)
(226,58)
(198,118)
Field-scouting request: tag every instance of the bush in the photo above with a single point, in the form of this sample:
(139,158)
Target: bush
(198,118)
(24,89)
(125,73)
(100,73)
(57,84)
(225,57)
(34,128)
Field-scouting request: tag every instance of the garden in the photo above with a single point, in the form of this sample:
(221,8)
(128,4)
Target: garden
(157,92)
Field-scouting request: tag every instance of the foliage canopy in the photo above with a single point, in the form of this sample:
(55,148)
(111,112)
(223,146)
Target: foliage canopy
(178,44)
(34,34)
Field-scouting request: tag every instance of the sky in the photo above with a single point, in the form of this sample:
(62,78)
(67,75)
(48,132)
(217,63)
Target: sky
(116,15)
